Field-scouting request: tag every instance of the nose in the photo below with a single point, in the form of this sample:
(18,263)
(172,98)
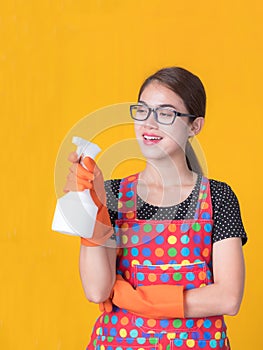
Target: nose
(151,120)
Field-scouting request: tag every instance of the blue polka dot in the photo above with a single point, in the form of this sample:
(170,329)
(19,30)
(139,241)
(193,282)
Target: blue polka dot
(159,240)
(207,335)
(213,344)
(164,323)
(125,263)
(189,323)
(140,276)
(207,239)
(113,332)
(141,340)
(183,335)
(134,333)
(207,323)
(146,252)
(130,184)
(135,239)
(202,344)
(134,252)
(165,277)
(159,262)
(178,342)
(190,276)
(195,335)
(197,239)
(205,215)
(208,227)
(159,228)
(184,227)
(221,343)
(114,319)
(172,261)
(146,239)
(197,251)
(130,194)
(185,239)
(185,251)
(120,195)
(139,322)
(109,348)
(208,274)
(136,227)
(189,286)
(147,262)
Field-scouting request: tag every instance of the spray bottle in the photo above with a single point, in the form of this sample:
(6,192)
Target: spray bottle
(75,212)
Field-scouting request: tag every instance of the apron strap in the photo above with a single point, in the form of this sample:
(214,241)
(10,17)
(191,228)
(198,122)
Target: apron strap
(204,208)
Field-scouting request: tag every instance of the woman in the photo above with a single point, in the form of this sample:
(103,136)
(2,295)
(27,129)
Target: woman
(179,262)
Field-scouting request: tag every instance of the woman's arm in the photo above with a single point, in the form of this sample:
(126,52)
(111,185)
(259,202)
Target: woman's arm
(225,295)
(97,271)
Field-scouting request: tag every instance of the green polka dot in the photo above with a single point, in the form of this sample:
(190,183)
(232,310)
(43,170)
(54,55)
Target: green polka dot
(177,276)
(196,227)
(177,323)
(110,339)
(147,228)
(204,195)
(94,342)
(125,252)
(153,341)
(129,204)
(168,347)
(106,319)
(172,252)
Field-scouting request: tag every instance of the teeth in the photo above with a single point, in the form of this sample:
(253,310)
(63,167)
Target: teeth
(152,137)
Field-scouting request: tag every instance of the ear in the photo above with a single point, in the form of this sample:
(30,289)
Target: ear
(196,126)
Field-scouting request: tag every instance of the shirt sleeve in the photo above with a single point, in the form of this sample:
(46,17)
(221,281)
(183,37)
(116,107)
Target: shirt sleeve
(226,213)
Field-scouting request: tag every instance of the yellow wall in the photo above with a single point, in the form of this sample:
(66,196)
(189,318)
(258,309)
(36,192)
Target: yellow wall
(61,60)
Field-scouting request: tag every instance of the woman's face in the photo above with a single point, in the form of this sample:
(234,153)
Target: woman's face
(156,140)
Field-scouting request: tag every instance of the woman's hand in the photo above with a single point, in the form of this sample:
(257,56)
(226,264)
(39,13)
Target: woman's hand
(90,177)
(79,178)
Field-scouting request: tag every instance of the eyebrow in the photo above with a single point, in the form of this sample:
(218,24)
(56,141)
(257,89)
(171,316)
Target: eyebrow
(162,105)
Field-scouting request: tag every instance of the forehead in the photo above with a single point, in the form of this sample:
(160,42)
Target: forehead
(156,94)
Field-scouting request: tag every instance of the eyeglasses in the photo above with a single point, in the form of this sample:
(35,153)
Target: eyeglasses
(163,115)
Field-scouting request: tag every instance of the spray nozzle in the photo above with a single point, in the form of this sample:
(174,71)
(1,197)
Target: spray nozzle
(85,148)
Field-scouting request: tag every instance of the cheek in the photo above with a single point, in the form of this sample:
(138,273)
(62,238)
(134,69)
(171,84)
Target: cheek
(178,132)
(137,129)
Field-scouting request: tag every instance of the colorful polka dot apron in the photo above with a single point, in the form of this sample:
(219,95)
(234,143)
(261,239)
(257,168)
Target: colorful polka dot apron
(176,252)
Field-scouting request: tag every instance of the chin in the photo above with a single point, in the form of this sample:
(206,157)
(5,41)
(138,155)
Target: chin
(155,152)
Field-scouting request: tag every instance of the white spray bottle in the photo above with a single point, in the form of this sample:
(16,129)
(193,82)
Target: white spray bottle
(75,212)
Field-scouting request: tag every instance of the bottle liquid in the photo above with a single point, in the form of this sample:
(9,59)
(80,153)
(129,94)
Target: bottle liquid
(75,212)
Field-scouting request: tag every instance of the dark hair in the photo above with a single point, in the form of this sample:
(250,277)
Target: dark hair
(185,84)
(191,90)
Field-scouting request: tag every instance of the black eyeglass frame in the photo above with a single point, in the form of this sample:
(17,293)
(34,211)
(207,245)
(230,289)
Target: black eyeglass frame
(154,111)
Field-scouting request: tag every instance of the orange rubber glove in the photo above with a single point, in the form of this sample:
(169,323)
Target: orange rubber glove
(106,306)
(91,178)
(155,301)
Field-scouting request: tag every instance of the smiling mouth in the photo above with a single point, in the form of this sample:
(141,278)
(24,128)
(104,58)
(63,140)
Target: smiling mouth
(152,138)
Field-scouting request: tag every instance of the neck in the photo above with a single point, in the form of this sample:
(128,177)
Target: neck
(168,172)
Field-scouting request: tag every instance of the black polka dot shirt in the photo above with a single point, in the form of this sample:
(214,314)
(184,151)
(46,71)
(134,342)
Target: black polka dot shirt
(226,211)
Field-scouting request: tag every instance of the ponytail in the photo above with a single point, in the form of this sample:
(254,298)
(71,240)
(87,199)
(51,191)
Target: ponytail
(192,160)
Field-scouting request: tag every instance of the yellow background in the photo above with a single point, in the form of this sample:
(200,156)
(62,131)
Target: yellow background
(61,60)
